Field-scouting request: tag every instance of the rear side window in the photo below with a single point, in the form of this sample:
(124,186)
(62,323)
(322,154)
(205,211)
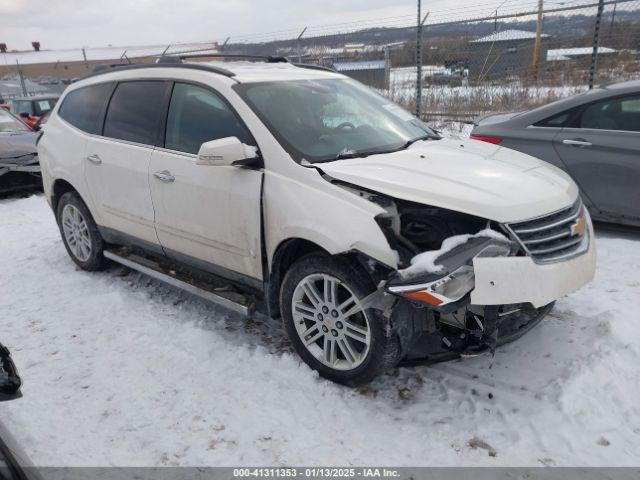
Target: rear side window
(44,106)
(614,114)
(197,115)
(82,107)
(134,111)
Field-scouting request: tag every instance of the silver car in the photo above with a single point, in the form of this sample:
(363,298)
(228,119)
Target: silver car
(594,136)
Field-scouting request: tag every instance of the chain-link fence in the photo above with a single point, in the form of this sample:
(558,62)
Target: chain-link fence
(488,57)
(519,55)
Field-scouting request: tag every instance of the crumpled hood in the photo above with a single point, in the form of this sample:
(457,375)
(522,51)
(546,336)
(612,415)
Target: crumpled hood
(464,175)
(17,144)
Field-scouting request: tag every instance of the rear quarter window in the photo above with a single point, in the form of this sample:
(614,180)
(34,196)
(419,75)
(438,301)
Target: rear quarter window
(82,107)
(558,120)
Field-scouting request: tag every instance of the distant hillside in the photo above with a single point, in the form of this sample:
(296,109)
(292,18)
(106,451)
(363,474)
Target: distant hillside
(564,29)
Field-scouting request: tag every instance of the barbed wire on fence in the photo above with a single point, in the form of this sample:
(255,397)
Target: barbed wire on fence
(475,59)
(481,58)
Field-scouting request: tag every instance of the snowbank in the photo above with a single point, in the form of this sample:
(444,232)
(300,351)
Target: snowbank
(120,370)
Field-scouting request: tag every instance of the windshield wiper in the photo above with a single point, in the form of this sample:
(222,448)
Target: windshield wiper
(417,139)
(346,154)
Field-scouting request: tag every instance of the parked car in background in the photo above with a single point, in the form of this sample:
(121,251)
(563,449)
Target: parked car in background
(19,166)
(30,109)
(593,136)
(41,121)
(373,237)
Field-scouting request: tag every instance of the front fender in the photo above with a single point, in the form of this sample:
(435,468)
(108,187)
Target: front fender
(325,214)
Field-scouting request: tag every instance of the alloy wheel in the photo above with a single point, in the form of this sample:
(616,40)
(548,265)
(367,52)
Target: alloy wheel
(76,232)
(331,322)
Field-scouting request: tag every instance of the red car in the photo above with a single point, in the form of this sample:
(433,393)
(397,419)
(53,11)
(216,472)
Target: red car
(31,109)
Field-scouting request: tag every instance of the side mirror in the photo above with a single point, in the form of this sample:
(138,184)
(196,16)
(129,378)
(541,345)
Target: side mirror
(227,151)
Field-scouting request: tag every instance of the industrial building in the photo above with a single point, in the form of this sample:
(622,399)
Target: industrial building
(68,64)
(504,54)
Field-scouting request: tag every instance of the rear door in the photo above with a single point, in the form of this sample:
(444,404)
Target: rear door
(601,149)
(117,162)
(205,213)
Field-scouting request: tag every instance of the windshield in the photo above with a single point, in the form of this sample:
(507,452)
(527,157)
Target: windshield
(9,123)
(324,120)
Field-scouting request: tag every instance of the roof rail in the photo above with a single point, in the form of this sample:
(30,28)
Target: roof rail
(311,66)
(177,61)
(172,57)
(118,67)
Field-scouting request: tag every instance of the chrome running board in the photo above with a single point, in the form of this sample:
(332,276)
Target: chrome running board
(152,269)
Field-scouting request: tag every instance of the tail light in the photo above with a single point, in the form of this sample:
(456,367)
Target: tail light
(483,138)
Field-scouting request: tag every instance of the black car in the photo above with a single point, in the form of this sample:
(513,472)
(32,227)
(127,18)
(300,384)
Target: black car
(19,166)
(14,464)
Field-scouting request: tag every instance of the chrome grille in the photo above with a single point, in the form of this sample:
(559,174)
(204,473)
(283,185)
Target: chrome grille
(553,237)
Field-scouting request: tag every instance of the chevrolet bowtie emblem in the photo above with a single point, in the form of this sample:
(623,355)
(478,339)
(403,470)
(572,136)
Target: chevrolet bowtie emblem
(578,227)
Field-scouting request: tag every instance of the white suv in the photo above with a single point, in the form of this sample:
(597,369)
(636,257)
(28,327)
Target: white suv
(375,238)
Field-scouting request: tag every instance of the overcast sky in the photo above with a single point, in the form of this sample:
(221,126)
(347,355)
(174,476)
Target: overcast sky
(78,23)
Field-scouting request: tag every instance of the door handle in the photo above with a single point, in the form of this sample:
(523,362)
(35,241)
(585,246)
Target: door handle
(164,176)
(577,142)
(95,159)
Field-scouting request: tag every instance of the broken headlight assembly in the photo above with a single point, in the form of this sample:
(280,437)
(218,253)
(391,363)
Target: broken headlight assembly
(450,287)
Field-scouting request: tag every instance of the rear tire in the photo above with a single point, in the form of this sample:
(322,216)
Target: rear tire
(80,233)
(320,304)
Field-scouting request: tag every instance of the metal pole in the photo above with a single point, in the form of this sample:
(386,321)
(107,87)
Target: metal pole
(419,62)
(300,44)
(536,46)
(596,44)
(387,67)
(22,82)
(613,17)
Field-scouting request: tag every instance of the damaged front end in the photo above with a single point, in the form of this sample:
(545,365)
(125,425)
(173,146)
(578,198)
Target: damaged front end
(19,172)
(427,301)
(433,314)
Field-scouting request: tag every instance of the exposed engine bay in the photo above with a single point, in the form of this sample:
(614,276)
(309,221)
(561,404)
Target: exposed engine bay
(429,306)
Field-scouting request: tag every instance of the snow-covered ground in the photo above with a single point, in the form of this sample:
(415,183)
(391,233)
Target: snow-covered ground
(120,370)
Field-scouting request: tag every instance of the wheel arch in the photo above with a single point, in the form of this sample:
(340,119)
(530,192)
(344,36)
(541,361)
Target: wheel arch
(60,187)
(292,249)
(286,254)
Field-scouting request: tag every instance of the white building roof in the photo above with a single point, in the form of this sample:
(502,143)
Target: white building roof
(32,57)
(507,35)
(557,54)
(361,65)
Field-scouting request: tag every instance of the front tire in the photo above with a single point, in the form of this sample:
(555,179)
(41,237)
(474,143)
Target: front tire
(320,301)
(80,233)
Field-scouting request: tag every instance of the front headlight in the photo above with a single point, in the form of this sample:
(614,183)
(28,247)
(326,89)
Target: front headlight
(457,278)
